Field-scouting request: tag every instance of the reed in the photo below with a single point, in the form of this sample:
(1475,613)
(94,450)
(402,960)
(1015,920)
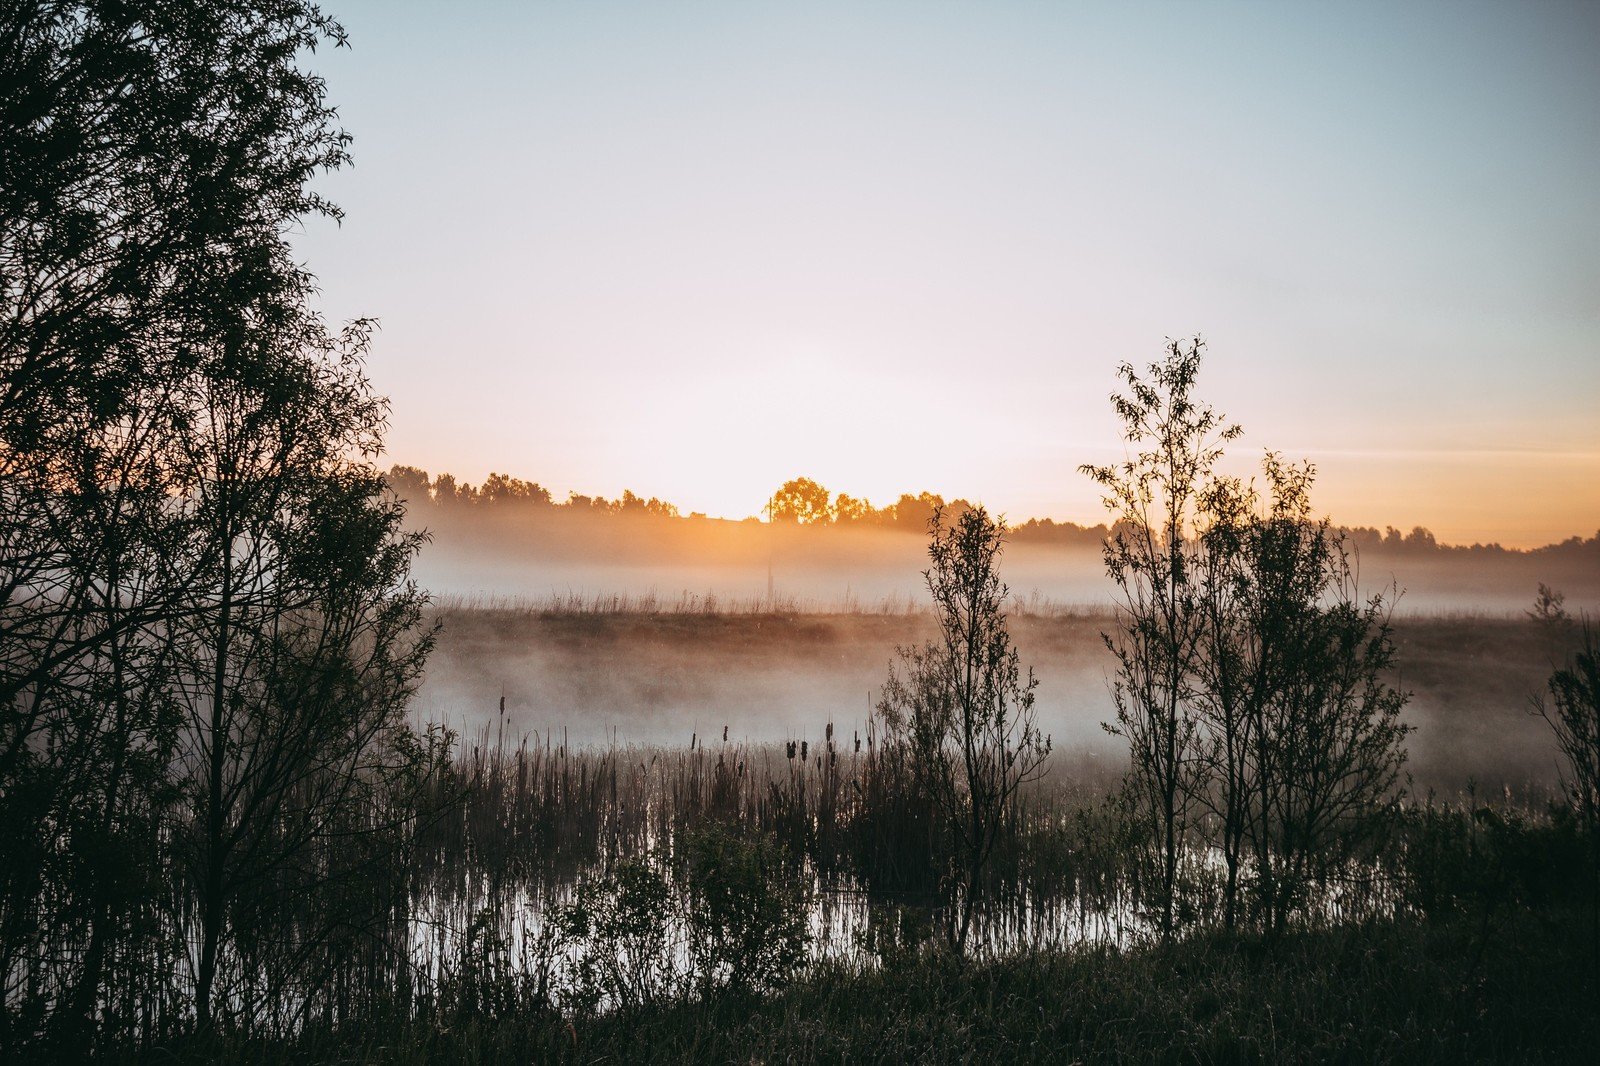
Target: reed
(465,924)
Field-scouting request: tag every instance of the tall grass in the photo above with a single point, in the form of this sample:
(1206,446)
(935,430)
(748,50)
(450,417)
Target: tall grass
(686,602)
(1431,951)
(533,816)
(470,920)
(467,932)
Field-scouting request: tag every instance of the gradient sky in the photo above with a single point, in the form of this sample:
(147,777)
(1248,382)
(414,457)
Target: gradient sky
(696,249)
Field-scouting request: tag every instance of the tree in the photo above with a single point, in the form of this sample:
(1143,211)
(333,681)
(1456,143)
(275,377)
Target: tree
(1573,714)
(1152,555)
(194,548)
(617,937)
(914,512)
(447,491)
(745,919)
(1549,613)
(151,159)
(801,501)
(961,708)
(410,485)
(502,488)
(1229,672)
(635,505)
(1320,741)
(155,155)
(847,510)
(1250,669)
(300,659)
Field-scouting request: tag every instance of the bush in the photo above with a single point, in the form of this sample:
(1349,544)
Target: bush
(746,921)
(618,932)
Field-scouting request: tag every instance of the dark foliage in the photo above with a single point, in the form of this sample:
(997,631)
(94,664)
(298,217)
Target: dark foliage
(207,628)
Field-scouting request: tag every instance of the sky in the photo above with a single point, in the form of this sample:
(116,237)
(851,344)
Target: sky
(694,250)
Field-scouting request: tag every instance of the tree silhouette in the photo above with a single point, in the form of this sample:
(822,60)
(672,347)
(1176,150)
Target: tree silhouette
(1573,713)
(195,550)
(801,501)
(1251,671)
(504,489)
(961,707)
(1153,497)
(296,665)
(1294,669)
(847,510)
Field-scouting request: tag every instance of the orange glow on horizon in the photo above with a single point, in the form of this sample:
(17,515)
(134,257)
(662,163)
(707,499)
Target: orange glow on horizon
(1519,500)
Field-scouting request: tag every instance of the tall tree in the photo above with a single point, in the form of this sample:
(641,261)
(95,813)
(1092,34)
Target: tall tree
(190,529)
(961,707)
(301,655)
(1317,741)
(1152,555)
(1573,713)
(1251,671)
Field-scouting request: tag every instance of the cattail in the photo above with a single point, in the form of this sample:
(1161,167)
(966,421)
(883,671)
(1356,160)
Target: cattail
(805,750)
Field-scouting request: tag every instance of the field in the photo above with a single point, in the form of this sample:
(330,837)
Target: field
(613,672)
(677,831)
(629,729)
(1465,937)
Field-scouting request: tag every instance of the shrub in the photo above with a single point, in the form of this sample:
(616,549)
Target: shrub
(746,920)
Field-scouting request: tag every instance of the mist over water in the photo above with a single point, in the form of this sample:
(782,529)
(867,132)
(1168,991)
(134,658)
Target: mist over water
(519,558)
(609,633)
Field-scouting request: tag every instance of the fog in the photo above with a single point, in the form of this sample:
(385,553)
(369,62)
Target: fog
(534,557)
(610,632)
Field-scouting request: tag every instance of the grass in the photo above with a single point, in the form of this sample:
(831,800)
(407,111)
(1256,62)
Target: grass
(654,603)
(1484,954)
(1490,958)
(1465,939)
(1392,992)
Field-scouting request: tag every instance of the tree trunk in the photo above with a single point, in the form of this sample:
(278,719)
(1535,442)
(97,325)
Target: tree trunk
(211,901)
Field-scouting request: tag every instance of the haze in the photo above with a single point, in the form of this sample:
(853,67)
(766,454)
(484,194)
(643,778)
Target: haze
(605,628)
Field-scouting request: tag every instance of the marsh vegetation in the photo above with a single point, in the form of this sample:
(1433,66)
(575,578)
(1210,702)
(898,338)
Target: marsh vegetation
(229,830)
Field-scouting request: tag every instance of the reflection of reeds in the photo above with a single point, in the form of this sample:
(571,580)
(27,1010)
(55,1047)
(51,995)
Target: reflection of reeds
(538,814)
(458,922)
(463,927)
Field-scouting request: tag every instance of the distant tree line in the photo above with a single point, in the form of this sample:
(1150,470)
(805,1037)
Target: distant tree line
(802,501)
(503,492)
(799,501)
(1421,541)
